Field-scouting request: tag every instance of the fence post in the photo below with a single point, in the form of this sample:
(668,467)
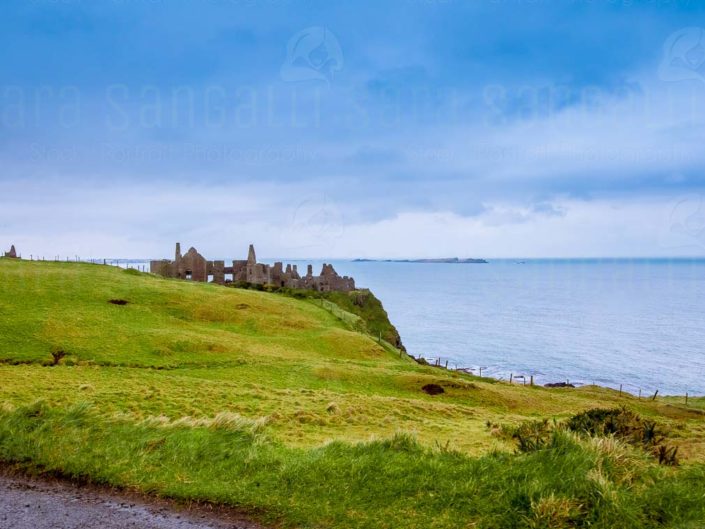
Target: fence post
(511,377)
(480,372)
(686,398)
(620,390)
(532,380)
(655,394)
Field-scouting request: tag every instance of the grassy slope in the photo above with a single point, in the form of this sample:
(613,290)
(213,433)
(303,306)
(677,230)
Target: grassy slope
(365,305)
(198,391)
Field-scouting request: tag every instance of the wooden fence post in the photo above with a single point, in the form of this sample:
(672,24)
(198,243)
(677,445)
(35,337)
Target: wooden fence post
(620,390)
(511,377)
(655,394)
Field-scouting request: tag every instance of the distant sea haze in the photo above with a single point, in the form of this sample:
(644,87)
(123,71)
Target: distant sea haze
(635,322)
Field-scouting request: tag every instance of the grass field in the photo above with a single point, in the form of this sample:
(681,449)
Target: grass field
(281,408)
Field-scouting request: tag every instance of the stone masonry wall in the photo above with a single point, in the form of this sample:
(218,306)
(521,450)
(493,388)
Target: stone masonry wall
(195,267)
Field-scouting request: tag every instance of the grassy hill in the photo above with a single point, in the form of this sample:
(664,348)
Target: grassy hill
(282,408)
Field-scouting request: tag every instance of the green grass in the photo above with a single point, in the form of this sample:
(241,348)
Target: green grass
(284,409)
(360,309)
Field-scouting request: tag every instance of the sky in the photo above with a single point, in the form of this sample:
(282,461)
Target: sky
(331,128)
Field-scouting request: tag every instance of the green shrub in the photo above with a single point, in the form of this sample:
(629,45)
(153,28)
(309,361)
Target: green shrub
(621,423)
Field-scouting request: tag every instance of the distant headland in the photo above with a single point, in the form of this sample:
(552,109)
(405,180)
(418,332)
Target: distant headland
(451,260)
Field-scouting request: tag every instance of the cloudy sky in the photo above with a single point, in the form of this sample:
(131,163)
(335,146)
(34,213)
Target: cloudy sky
(331,128)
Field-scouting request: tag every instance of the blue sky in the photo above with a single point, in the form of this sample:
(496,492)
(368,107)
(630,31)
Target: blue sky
(312,128)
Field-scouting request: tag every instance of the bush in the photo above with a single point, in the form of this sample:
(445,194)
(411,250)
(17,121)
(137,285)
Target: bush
(531,435)
(620,423)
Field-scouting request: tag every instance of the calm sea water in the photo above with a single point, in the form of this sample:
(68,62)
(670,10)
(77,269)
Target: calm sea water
(640,323)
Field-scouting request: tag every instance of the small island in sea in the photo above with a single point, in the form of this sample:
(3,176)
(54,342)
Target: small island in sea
(452,260)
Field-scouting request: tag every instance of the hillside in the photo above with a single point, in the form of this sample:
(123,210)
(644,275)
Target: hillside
(281,408)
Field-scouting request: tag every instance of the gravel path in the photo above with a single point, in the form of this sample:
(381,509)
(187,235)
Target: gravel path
(27,503)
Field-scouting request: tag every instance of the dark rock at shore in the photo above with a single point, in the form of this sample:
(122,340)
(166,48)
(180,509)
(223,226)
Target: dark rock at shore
(558,385)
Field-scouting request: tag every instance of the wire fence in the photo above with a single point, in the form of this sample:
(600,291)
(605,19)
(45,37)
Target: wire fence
(624,389)
(357,323)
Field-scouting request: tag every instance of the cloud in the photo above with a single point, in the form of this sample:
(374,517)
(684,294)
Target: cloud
(474,119)
(47,219)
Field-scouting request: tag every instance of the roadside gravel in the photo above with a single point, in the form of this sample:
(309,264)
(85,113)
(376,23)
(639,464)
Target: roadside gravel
(28,503)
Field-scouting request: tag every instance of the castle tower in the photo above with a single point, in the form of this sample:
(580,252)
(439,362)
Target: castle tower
(251,268)
(251,257)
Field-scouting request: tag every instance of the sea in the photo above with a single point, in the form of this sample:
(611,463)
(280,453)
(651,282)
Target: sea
(634,323)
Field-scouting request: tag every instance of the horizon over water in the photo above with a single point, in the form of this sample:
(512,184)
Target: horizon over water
(635,322)
(639,322)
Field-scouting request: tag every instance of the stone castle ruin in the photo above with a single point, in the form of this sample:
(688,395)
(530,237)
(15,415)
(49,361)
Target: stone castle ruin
(194,267)
(12,254)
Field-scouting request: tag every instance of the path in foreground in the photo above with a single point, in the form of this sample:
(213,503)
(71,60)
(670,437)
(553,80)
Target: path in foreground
(38,504)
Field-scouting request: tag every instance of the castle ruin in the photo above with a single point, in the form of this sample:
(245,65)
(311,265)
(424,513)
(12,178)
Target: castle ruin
(12,254)
(194,267)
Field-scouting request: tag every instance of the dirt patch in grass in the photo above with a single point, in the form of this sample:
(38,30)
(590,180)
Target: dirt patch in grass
(118,301)
(433,389)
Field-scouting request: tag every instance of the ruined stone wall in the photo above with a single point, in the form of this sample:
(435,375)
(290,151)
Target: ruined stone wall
(162,267)
(194,266)
(217,270)
(239,270)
